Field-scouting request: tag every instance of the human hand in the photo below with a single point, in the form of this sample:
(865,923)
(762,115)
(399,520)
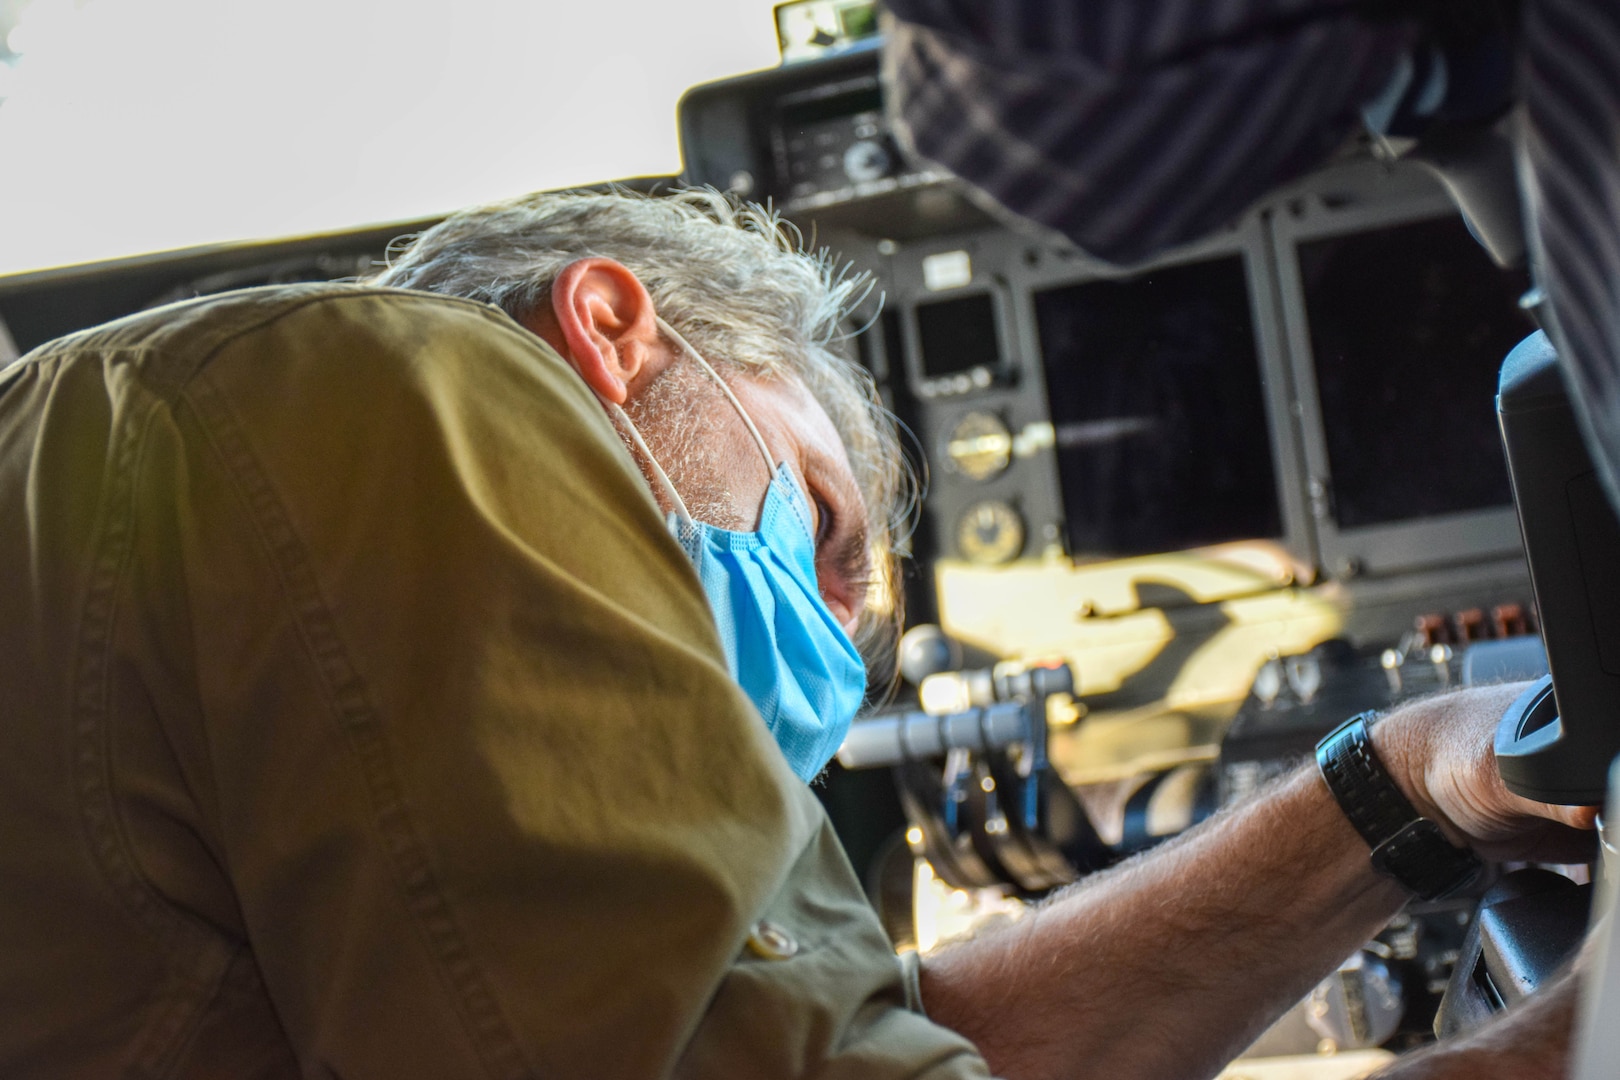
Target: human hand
(1439,751)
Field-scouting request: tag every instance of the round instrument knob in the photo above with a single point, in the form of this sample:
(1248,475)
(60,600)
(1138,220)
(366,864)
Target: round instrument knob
(990,533)
(980,446)
(866,160)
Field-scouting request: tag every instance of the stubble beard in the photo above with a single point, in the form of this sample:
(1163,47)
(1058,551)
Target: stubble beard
(677,415)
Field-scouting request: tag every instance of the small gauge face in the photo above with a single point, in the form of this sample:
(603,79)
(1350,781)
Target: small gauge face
(990,533)
(866,160)
(980,446)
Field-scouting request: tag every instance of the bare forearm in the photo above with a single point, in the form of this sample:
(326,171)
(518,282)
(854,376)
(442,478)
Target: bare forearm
(1167,966)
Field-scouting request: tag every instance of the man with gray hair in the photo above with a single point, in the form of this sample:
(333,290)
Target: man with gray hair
(419,685)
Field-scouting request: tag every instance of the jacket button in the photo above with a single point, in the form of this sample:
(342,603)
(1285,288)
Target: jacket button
(770,942)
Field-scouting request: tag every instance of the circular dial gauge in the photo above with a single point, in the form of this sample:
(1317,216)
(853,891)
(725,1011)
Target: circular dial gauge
(866,160)
(980,446)
(990,533)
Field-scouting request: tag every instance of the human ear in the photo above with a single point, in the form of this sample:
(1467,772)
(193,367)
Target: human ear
(606,324)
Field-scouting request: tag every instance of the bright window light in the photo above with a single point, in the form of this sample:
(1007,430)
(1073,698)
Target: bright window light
(139,125)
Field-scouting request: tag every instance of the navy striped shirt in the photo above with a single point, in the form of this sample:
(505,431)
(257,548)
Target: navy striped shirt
(1130,126)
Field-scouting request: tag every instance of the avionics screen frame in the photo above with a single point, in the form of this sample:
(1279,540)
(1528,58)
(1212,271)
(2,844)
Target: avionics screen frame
(1415,543)
(1249,241)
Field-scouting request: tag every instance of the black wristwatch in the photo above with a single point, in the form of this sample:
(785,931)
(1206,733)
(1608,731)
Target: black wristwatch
(1409,848)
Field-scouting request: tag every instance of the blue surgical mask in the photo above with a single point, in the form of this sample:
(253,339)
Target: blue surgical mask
(783,646)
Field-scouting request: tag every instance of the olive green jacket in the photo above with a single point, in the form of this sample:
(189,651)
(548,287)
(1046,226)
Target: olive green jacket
(360,718)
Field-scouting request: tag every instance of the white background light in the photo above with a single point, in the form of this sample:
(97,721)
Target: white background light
(137,125)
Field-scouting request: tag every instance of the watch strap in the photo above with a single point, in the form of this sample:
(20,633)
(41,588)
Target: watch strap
(1405,846)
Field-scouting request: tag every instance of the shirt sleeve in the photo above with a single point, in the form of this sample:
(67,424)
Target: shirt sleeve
(1130,126)
(486,797)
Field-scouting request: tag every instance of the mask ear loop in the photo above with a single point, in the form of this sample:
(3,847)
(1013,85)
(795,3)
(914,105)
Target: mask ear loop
(759,440)
(621,419)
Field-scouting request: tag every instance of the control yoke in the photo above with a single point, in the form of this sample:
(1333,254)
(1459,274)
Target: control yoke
(1556,742)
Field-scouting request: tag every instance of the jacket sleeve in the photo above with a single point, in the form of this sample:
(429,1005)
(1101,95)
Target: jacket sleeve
(486,797)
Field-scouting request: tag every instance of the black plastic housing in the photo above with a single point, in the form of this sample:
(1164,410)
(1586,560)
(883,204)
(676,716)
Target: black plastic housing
(1528,926)
(1556,747)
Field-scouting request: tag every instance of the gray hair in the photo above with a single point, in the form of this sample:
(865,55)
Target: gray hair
(731,277)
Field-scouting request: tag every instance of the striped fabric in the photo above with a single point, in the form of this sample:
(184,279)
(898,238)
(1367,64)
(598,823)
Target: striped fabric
(1572,169)
(1130,126)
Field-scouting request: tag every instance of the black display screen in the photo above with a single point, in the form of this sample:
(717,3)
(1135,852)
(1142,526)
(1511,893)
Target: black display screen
(1154,384)
(1409,326)
(814,110)
(957,334)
